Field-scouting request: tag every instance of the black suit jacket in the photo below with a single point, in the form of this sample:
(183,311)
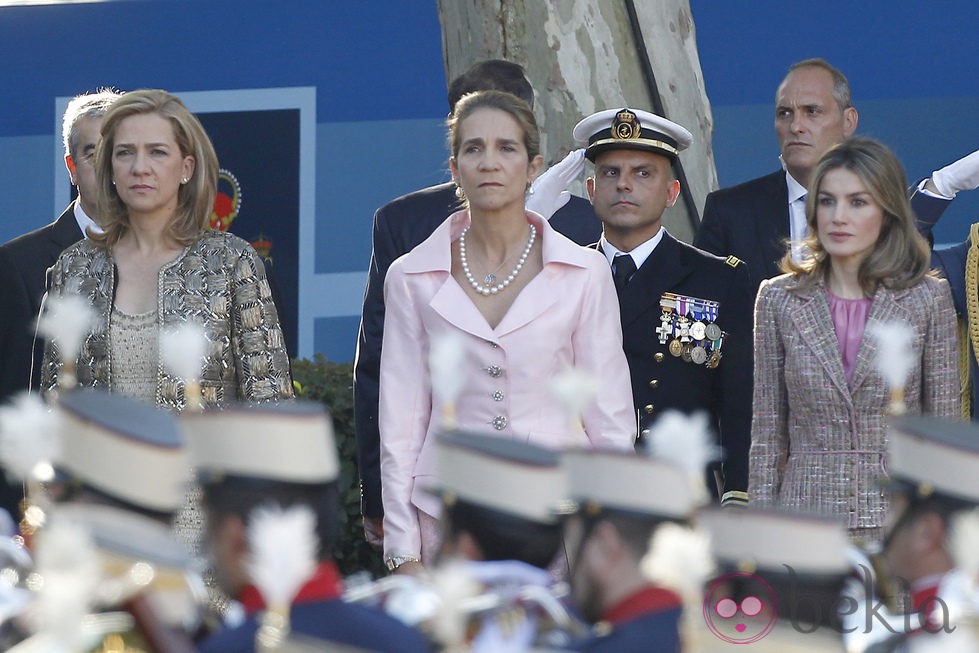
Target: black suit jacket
(399,227)
(661,381)
(750,221)
(24,262)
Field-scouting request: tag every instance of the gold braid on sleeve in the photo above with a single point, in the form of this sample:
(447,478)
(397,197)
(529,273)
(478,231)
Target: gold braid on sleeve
(969,349)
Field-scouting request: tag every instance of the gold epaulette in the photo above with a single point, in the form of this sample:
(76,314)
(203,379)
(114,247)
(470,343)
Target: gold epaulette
(733,261)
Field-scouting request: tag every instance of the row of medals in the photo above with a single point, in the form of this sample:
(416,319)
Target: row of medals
(688,332)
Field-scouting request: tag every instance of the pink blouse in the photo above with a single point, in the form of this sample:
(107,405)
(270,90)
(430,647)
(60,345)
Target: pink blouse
(849,320)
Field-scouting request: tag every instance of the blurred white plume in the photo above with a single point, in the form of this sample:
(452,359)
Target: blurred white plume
(964,542)
(576,390)
(283,546)
(687,442)
(446,371)
(895,355)
(183,349)
(29,438)
(67,576)
(679,559)
(67,320)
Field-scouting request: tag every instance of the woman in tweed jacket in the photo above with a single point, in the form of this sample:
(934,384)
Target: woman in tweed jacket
(157,265)
(819,430)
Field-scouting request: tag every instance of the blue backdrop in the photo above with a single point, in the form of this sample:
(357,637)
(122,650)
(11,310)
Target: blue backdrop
(378,100)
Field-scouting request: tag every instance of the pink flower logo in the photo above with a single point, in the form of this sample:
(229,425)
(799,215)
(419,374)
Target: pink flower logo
(741,622)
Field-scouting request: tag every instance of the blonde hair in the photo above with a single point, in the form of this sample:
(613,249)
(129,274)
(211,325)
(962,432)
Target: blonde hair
(900,258)
(195,199)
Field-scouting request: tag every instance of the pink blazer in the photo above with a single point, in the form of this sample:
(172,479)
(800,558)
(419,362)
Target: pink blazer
(819,444)
(568,315)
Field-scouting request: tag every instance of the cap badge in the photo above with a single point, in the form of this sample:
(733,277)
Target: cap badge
(626,125)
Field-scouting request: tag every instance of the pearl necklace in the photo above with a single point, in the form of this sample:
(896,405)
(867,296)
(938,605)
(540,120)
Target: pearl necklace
(492,290)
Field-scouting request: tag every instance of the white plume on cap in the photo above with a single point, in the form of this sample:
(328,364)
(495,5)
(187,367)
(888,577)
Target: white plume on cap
(685,441)
(183,349)
(68,574)
(964,542)
(454,585)
(67,320)
(29,438)
(576,390)
(678,559)
(895,355)
(446,371)
(283,547)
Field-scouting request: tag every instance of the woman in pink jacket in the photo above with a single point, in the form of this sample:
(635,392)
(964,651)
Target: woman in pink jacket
(527,304)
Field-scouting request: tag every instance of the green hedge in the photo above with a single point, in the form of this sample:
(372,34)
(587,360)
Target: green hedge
(332,383)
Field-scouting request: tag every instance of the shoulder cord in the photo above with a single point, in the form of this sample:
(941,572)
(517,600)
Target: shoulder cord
(966,352)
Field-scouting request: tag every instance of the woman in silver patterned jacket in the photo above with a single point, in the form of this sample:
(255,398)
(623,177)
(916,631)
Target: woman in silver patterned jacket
(157,265)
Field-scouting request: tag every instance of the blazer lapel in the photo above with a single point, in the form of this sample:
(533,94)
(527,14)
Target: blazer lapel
(814,324)
(536,297)
(455,307)
(884,308)
(773,225)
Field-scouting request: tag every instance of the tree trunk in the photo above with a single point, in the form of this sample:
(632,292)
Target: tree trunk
(582,56)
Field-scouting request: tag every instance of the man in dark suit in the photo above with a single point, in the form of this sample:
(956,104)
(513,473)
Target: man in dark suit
(754,220)
(686,314)
(25,259)
(404,223)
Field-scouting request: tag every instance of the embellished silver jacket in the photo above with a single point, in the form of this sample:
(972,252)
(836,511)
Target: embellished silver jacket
(218,281)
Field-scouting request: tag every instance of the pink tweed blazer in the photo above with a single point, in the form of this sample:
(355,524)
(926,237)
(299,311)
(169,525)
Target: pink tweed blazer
(818,444)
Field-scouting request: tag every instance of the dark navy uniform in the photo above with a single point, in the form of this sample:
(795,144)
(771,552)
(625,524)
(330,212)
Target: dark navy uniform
(662,381)
(319,612)
(646,621)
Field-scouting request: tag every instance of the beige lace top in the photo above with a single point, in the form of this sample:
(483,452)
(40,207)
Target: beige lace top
(135,353)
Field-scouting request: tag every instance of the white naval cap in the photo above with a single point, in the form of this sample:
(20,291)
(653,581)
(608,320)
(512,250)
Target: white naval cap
(935,456)
(768,540)
(510,476)
(123,447)
(290,442)
(630,129)
(602,480)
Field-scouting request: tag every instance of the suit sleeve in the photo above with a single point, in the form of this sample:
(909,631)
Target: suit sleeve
(769,426)
(51,360)
(710,235)
(405,409)
(367,367)
(736,386)
(940,389)
(950,263)
(927,211)
(610,421)
(260,358)
(16,321)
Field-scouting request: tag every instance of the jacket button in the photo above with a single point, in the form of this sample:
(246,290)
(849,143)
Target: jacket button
(648,409)
(494,371)
(654,384)
(499,422)
(497,396)
(658,357)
